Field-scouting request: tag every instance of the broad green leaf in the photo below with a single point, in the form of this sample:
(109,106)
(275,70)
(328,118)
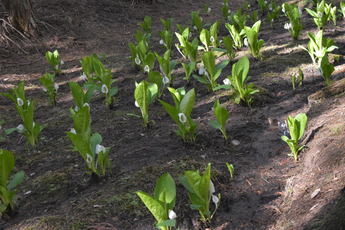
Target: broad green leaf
(141,96)
(302,120)
(154,206)
(77,93)
(6,166)
(171,223)
(82,121)
(166,184)
(172,111)
(187,102)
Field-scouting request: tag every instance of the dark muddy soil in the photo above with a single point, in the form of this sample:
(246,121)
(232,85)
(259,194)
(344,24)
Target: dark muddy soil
(269,191)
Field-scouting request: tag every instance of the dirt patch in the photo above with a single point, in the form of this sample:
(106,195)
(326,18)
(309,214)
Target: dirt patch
(269,191)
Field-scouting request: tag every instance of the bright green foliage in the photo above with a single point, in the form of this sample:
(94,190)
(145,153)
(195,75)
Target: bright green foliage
(200,190)
(238,82)
(210,72)
(189,50)
(230,169)
(25,109)
(7,185)
(141,56)
(236,35)
(180,113)
(322,14)
(144,94)
(319,46)
(160,81)
(210,38)
(53,59)
(294,26)
(252,35)
(166,66)
(79,96)
(225,9)
(296,127)
(161,205)
(100,78)
(222,116)
(49,86)
(89,146)
(238,19)
(146,25)
(188,70)
(196,21)
(326,69)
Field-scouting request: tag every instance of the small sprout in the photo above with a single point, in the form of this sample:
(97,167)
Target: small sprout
(230,169)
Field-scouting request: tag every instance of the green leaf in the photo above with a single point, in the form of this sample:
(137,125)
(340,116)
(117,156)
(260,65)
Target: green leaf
(16,180)
(154,206)
(6,166)
(187,102)
(215,124)
(172,111)
(170,223)
(165,184)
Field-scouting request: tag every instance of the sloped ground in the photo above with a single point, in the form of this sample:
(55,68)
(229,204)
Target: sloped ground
(270,190)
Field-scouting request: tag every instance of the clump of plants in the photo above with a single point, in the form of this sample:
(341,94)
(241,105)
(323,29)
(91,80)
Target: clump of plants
(238,82)
(53,59)
(99,78)
(294,25)
(180,113)
(296,126)
(89,146)
(201,191)
(50,86)
(25,109)
(144,94)
(162,204)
